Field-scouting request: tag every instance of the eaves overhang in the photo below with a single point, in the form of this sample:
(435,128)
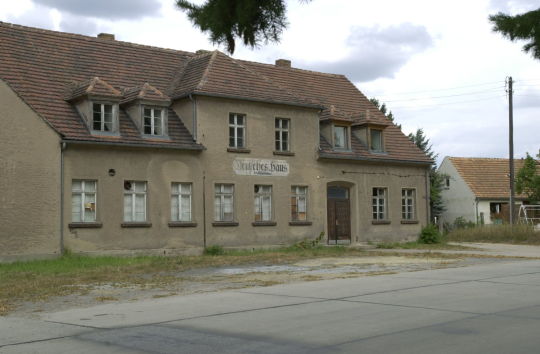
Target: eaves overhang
(197,147)
(329,156)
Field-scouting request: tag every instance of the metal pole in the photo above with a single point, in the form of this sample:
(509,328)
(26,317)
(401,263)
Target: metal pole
(511,147)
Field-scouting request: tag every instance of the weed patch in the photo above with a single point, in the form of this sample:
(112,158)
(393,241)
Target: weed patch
(518,234)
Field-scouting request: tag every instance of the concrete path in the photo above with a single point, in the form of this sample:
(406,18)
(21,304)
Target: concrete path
(492,308)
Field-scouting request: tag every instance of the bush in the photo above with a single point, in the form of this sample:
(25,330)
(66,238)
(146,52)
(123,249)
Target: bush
(214,250)
(461,223)
(430,234)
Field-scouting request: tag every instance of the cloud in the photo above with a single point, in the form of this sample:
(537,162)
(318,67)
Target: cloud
(513,6)
(528,99)
(78,24)
(378,52)
(105,9)
(38,16)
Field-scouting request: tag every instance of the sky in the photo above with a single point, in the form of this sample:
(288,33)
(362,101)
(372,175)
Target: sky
(437,65)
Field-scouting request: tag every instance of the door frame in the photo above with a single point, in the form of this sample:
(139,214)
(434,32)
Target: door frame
(331,216)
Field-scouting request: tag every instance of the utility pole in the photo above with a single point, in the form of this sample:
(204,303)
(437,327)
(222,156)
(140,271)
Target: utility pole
(511,147)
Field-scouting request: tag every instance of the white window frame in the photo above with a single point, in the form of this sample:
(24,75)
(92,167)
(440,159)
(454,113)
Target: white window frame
(132,193)
(408,210)
(263,192)
(180,191)
(345,137)
(153,117)
(84,205)
(220,196)
(236,127)
(299,193)
(114,111)
(379,205)
(280,131)
(371,147)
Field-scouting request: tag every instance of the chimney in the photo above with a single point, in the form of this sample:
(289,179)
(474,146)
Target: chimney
(106,36)
(284,63)
(202,51)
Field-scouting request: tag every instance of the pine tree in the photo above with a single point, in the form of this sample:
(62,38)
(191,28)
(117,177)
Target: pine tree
(520,27)
(436,179)
(384,110)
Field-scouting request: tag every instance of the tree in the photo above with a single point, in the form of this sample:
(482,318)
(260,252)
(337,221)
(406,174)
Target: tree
(528,180)
(253,21)
(384,110)
(522,27)
(436,179)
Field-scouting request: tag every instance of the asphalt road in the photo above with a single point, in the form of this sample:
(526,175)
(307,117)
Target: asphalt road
(491,308)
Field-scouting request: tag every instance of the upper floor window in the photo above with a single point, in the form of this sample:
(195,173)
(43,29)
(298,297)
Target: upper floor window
(376,140)
(299,203)
(83,201)
(181,202)
(224,202)
(263,203)
(102,117)
(237,130)
(282,134)
(134,201)
(379,203)
(408,201)
(153,121)
(341,137)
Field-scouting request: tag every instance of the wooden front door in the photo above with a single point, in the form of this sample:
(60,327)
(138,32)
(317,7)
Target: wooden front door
(339,215)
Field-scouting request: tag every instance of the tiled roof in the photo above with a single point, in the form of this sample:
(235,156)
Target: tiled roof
(94,87)
(40,65)
(144,92)
(487,177)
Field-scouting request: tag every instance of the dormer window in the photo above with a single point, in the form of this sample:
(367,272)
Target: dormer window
(102,117)
(153,121)
(376,140)
(341,137)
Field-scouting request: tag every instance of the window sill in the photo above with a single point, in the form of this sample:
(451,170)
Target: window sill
(409,221)
(85,225)
(380,222)
(136,224)
(225,223)
(238,150)
(300,223)
(284,153)
(264,223)
(182,224)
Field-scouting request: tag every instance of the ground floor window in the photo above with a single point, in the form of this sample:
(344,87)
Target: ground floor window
(134,201)
(298,203)
(181,201)
(263,203)
(379,203)
(408,201)
(224,202)
(83,201)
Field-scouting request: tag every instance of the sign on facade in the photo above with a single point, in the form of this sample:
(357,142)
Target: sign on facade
(260,167)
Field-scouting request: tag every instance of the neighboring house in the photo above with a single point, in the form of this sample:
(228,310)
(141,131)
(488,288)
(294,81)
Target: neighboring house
(113,146)
(478,189)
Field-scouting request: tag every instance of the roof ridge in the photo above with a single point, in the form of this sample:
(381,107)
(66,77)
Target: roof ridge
(87,37)
(204,76)
(291,68)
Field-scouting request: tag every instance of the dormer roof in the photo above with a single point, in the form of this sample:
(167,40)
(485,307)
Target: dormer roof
(95,87)
(146,92)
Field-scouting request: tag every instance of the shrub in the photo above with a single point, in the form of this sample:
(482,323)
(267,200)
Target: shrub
(214,250)
(461,223)
(430,234)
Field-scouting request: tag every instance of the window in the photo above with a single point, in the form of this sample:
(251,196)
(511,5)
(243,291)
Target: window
(102,114)
(282,134)
(340,137)
(263,203)
(224,202)
(83,201)
(134,201)
(376,141)
(153,121)
(237,130)
(379,203)
(447,182)
(181,202)
(298,203)
(408,202)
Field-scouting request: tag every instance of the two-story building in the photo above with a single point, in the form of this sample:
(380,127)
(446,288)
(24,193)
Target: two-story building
(108,146)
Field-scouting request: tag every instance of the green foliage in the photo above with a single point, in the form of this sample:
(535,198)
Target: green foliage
(430,234)
(528,180)
(214,250)
(384,110)
(525,26)
(505,233)
(461,223)
(253,21)
(308,243)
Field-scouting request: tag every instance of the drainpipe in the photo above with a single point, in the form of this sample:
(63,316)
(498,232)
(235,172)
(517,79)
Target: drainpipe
(62,148)
(194,116)
(427,198)
(204,209)
(476,208)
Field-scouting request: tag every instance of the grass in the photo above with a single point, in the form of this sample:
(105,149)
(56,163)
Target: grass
(38,280)
(421,246)
(518,234)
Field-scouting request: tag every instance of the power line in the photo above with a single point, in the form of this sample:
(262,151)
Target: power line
(449,88)
(449,103)
(445,96)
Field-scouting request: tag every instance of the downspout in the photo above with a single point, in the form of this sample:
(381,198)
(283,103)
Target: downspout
(194,116)
(428,197)
(204,208)
(62,148)
(476,207)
